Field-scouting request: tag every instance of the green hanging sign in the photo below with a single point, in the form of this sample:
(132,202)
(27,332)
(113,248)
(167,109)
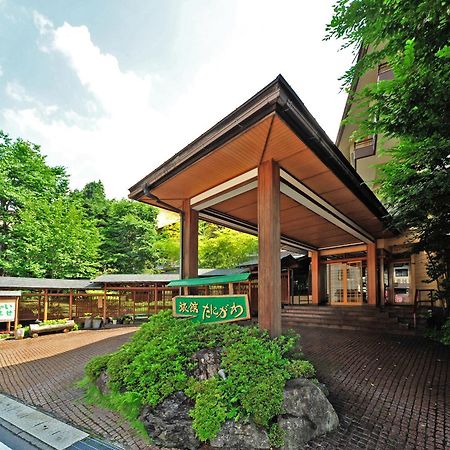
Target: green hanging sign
(212,308)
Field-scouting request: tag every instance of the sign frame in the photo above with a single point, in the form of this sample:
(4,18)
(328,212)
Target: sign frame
(247,316)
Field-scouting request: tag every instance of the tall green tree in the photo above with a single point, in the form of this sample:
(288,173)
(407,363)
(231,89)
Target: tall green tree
(53,239)
(413,110)
(24,175)
(128,237)
(93,200)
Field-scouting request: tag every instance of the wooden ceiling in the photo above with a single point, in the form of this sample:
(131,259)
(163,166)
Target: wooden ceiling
(272,138)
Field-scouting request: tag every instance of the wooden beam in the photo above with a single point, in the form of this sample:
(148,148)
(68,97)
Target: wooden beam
(315,279)
(372,273)
(269,269)
(189,242)
(343,250)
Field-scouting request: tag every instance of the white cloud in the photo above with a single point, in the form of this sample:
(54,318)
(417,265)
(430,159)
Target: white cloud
(16,91)
(127,135)
(1,69)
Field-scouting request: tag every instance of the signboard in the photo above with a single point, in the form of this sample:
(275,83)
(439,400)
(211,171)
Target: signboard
(7,310)
(212,309)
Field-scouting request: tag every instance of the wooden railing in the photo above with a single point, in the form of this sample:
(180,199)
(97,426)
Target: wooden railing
(112,303)
(419,301)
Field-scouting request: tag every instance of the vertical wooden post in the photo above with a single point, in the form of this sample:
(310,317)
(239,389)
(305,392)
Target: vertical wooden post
(372,273)
(155,293)
(45,304)
(189,244)
(381,280)
(16,319)
(269,268)
(134,304)
(315,279)
(104,305)
(230,288)
(412,279)
(70,303)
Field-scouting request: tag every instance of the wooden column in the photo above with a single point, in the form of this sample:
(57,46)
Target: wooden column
(269,269)
(189,242)
(70,303)
(45,304)
(381,279)
(104,305)
(372,274)
(315,279)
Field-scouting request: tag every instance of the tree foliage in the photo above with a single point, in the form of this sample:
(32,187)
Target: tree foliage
(53,239)
(412,110)
(24,176)
(222,248)
(128,237)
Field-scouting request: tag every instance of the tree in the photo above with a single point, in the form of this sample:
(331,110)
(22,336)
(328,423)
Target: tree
(128,237)
(93,200)
(413,109)
(53,239)
(24,174)
(222,248)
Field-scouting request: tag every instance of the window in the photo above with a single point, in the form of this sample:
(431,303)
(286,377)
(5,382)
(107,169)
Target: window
(365,147)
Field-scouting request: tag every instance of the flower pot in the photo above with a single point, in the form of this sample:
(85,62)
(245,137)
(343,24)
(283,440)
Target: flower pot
(88,322)
(19,333)
(114,321)
(96,323)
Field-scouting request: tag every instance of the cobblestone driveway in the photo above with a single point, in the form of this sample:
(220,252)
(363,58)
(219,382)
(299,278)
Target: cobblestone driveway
(390,392)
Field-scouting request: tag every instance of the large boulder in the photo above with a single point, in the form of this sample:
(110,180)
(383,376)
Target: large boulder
(307,413)
(241,435)
(207,363)
(169,423)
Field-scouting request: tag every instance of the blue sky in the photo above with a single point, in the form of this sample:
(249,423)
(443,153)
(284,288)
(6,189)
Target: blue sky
(112,88)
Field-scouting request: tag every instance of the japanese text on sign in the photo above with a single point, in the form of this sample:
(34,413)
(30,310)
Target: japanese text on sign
(7,311)
(208,309)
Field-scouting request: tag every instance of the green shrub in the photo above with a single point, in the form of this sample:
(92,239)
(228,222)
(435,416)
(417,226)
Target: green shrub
(301,369)
(276,435)
(445,333)
(96,366)
(210,410)
(157,362)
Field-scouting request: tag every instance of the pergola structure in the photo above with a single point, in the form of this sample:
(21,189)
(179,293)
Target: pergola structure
(269,169)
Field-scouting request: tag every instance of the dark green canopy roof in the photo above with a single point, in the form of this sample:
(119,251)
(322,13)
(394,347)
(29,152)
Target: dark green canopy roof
(207,281)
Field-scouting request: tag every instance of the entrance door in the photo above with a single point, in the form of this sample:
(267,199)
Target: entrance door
(345,283)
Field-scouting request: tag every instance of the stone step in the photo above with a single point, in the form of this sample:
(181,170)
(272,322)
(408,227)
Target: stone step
(343,317)
(295,325)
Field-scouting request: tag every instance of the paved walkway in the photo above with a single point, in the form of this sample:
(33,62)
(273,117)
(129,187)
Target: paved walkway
(390,392)
(42,372)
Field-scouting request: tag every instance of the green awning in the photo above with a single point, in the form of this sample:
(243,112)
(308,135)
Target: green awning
(207,281)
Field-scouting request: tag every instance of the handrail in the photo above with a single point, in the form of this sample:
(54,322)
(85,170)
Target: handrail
(418,301)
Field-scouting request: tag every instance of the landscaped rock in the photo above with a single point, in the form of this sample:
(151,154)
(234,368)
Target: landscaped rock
(307,413)
(102,383)
(169,423)
(208,363)
(240,435)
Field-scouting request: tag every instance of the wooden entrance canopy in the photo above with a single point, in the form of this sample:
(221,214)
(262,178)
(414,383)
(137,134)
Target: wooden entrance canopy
(270,170)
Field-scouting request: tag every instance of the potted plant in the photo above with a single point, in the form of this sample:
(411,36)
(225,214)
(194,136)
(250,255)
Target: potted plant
(19,332)
(97,322)
(114,320)
(87,320)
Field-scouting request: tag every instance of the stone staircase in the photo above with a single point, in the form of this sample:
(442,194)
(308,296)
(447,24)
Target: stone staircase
(392,320)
